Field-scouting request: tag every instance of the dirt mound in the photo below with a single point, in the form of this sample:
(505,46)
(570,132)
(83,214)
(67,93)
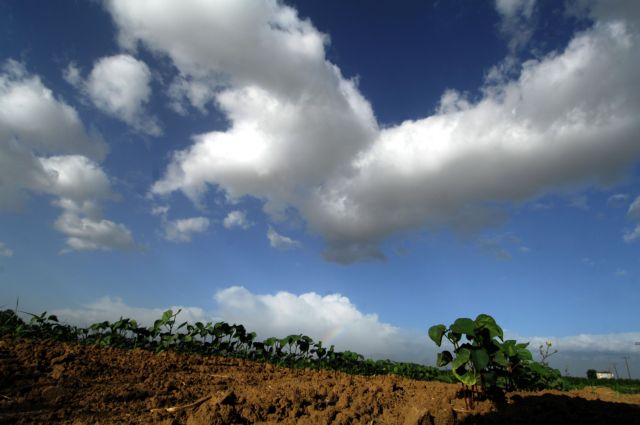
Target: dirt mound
(51,382)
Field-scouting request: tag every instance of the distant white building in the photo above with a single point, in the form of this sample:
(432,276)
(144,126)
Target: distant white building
(604,375)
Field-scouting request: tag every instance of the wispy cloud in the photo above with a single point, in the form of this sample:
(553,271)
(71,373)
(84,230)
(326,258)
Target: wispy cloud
(280,241)
(5,251)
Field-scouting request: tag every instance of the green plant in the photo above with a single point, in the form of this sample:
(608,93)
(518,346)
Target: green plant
(478,357)
(486,364)
(591,374)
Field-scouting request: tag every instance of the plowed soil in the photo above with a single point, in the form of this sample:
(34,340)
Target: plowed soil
(50,382)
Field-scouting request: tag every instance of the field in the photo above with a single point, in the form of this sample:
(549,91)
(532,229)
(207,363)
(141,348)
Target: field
(54,373)
(54,382)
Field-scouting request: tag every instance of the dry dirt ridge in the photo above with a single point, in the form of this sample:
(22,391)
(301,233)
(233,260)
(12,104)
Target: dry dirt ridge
(51,382)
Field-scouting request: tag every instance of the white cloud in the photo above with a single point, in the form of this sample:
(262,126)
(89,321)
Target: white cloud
(113,308)
(160,210)
(182,230)
(618,200)
(279,241)
(33,124)
(31,116)
(594,343)
(88,233)
(119,86)
(76,177)
(634,209)
(580,202)
(5,251)
(632,235)
(333,319)
(238,219)
(302,137)
(634,214)
(516,24)
(45,149)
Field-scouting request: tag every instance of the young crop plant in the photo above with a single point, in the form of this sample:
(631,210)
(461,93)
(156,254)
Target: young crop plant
(486,364)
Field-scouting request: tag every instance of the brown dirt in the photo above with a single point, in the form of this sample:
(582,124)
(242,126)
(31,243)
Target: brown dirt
(49,382)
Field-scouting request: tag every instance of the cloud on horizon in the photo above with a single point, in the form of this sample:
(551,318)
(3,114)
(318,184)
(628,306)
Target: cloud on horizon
(334,319)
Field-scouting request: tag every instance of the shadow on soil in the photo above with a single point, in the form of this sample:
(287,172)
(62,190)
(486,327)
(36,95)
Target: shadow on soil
(550,409)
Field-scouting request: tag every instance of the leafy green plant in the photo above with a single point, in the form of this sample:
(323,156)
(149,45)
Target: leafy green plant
(486,364)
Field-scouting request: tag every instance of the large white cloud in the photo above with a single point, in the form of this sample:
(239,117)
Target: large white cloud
(302,136)
(44,148)
(120,86)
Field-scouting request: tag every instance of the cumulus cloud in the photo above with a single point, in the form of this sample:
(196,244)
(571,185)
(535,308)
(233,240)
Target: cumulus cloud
(5,251)
(33,123)
(281,242)
(183,230)
(333,319)
(119,86)
(44,148)
(302,137)
(237,219)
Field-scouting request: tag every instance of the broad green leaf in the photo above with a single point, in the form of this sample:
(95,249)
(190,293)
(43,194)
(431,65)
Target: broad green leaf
(462,357)
(436,332)
(468,378)
(509,347)
(444,358)
(500,359)
(524,354)
(454,336)
(166,316)
(485,321)
(463,325)
(480,358)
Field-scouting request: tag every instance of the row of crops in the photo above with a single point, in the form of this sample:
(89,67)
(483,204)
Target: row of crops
(482,360)
(221,339)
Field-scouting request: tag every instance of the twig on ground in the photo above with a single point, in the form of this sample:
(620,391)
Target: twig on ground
(184,406)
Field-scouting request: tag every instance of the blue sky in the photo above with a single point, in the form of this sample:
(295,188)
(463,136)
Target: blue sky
(355,171)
